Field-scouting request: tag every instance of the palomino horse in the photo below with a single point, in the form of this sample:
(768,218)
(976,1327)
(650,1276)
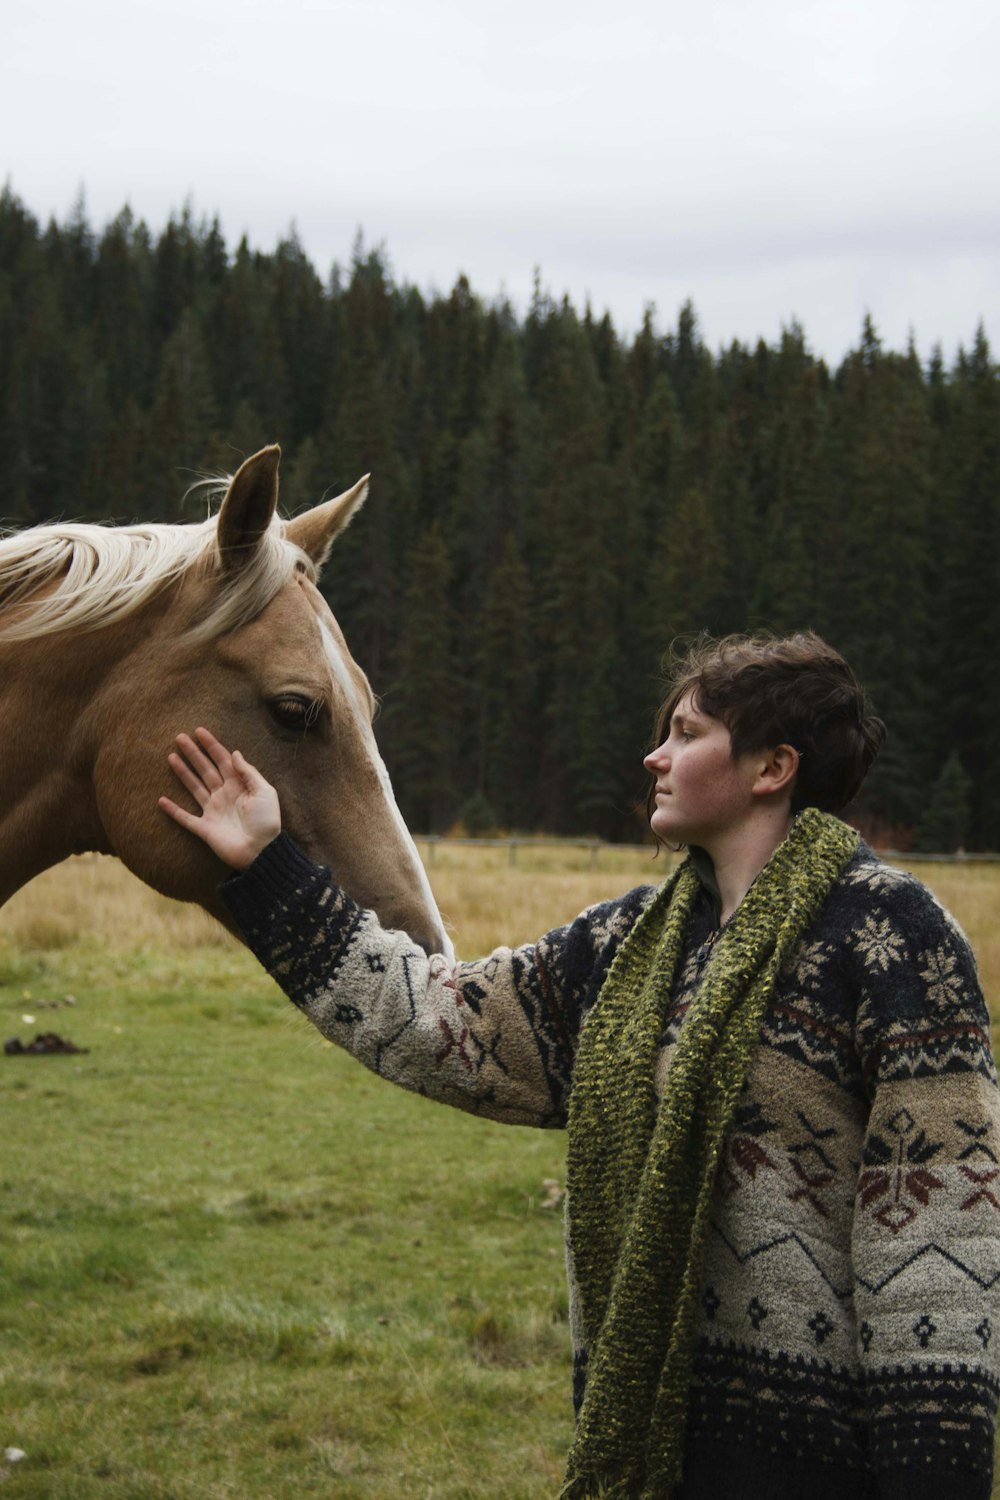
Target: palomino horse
(114,638)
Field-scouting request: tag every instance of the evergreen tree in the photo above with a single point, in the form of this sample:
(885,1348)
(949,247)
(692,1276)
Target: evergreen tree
(878,616)
(795,562)
(122,326)
(22,274)
(175,273)
(687,570)
(572,528)
(964,571)
(506,670)
(422,701)
(300,316)
(944,824)
(181,423)
(359,436)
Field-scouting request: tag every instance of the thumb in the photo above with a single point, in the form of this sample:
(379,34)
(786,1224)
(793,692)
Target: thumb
(254,781)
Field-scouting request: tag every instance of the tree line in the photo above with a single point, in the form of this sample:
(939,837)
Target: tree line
(553,503)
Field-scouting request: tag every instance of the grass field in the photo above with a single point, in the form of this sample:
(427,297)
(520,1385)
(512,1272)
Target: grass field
(234,1265)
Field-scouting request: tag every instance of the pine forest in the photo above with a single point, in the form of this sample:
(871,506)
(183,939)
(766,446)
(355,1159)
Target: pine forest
(552,503)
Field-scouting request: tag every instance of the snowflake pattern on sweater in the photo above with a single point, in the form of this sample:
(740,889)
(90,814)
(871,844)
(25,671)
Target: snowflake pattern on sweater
(852,1274)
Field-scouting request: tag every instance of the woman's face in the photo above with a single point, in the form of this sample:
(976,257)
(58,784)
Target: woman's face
(701,791)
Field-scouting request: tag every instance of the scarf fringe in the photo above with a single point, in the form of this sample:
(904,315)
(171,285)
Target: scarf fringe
(604,1486)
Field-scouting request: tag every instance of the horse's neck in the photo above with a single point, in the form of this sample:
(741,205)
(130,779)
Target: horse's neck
(47,809)
(42,828)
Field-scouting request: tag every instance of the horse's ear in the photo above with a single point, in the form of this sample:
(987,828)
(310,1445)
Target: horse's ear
(248,507)
(316,530)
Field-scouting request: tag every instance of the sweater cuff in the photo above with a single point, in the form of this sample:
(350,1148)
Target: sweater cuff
(279,869)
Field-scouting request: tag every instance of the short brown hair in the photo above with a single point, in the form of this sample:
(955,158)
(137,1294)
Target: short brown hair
(791,690)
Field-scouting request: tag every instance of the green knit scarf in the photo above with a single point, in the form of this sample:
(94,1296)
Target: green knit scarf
(640,1172)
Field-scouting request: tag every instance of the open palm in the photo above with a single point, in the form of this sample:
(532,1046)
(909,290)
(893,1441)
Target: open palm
(240,813)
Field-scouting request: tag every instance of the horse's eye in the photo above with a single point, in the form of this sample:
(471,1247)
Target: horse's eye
(295,712)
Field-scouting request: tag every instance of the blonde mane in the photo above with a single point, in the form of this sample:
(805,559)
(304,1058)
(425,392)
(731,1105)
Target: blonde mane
(84,576)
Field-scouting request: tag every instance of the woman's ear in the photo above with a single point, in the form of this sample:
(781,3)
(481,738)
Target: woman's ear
(777,770)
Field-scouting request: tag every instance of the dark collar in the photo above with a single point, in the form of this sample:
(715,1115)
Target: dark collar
(705,870)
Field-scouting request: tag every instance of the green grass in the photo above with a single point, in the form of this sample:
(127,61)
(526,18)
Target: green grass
(233,1264)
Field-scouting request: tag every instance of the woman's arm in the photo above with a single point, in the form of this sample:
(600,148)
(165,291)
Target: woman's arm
(926,1244)
(496,1036)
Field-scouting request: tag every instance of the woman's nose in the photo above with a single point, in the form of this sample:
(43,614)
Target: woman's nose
(657,759)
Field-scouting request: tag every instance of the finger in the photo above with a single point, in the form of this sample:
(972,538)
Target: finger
(185,819)
(215,748)
(252,778)
(188,778)
(206,768)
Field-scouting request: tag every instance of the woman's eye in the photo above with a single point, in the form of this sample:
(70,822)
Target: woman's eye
(294,712)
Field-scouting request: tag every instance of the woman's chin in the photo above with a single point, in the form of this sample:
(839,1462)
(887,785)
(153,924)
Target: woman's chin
(669,829)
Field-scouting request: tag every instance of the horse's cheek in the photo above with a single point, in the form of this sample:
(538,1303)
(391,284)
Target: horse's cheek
(147,842)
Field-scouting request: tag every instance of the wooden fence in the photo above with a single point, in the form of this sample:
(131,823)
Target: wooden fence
(512,844)
(433,841)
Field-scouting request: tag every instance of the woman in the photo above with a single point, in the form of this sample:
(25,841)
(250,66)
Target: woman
(784,1125)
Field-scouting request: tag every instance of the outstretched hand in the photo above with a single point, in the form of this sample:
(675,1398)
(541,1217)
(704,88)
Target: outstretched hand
(240,814)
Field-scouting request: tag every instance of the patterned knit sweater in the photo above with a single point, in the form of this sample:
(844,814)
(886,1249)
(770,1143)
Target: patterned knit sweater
(850,1326)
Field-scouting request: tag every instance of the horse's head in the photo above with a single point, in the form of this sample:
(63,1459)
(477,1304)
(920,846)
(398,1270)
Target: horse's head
(282,687)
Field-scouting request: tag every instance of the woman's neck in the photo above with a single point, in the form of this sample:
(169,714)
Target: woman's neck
(739,855)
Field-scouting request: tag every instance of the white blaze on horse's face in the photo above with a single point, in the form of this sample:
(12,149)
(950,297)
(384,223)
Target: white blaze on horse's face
(228,630)
(363,705)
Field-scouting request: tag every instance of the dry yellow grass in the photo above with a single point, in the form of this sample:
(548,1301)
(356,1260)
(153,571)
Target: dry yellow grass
(971,892)
(94,902)
(487,901)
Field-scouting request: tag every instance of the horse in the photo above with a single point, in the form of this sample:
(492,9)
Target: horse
(114,638)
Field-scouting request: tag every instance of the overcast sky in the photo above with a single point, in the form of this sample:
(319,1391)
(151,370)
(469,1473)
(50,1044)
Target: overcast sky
(769,159)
